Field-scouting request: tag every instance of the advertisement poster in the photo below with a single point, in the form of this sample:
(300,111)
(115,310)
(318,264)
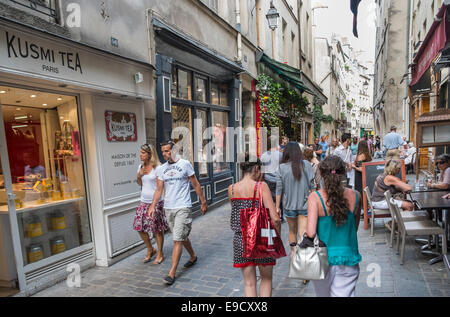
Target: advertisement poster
(120,126)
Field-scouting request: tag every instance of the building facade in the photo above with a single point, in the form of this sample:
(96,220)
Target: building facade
(390,63)
(82,85)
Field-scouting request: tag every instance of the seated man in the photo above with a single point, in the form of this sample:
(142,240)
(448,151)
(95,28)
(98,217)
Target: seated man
(443,162)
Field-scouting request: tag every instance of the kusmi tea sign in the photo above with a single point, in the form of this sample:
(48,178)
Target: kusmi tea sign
(52,59)
(120,126)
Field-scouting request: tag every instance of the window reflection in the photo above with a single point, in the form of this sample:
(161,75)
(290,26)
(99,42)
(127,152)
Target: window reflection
(200,90)
(220,124)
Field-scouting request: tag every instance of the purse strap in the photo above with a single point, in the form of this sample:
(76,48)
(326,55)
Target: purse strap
(254,195)
(260,197)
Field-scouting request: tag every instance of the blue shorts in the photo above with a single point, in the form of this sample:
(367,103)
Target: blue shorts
(295,213)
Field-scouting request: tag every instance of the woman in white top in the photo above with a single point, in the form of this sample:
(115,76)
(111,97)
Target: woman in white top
(143,223)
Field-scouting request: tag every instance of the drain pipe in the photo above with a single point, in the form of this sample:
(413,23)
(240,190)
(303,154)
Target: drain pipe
(238,28)
(149,17)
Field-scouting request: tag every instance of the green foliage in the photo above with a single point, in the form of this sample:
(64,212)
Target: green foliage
(349,105)
(319,117)
(275,97)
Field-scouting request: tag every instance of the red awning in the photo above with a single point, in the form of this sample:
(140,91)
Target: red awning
(435,41)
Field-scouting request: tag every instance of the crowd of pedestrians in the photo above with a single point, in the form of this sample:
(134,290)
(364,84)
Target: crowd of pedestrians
(316,187)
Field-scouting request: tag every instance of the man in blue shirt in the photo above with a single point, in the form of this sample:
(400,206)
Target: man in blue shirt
(392,141)
(325,147)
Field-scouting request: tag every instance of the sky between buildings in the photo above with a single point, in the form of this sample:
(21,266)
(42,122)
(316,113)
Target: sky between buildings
(338,19)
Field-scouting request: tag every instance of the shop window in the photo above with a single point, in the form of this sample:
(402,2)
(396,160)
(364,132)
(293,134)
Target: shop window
(200,90)
(184,84)
(182,132)
(219,125)
(202,153)
(224,95)
(215,93)
(43,145)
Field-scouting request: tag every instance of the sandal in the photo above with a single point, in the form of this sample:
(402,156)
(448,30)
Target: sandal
(156,262)
(147,259)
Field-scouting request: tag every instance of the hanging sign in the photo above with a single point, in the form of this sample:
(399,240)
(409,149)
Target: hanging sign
(120,126)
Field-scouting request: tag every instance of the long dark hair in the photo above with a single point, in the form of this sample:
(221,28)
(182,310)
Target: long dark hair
(293,154)
(333,171)
(363,148)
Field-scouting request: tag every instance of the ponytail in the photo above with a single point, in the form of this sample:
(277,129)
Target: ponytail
(333,170)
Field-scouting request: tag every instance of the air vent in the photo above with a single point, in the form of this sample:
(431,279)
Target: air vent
(60,265)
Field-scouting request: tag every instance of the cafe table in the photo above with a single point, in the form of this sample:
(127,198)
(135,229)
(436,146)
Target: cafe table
(432,201)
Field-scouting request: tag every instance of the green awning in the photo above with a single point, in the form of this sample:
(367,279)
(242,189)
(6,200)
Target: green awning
(286,72)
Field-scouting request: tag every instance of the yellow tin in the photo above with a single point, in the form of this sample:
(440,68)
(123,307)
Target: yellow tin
(33,227)
(58,221)
(35,253)
(58,245)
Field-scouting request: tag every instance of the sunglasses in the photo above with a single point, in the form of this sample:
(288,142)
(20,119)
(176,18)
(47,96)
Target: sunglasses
(146,148)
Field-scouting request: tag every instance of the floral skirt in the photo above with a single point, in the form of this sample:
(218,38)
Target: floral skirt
(143,222)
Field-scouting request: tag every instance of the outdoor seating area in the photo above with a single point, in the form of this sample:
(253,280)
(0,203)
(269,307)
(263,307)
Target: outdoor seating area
(428,222)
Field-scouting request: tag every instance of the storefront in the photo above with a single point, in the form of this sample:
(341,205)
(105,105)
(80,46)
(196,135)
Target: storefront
(198,107)
(71,123)
(428,91)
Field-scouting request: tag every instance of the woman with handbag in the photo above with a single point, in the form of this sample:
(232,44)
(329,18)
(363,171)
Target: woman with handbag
(242,196)
(333,214)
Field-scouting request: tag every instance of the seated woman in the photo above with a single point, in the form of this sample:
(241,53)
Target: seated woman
(388,181)
(443,162)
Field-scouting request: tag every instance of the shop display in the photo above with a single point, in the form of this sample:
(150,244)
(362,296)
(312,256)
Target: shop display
(33,226)
(58,221)
(64,141)
(35,253)
(57,245)
(46,167)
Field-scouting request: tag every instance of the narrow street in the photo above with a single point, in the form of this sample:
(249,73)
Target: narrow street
(214,274)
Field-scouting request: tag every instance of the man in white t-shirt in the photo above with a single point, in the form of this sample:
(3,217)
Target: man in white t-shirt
(174,177)
(345,153)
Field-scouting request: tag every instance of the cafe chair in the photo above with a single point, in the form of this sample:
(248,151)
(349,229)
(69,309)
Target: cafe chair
(416,228)
(407,216)
(373,211)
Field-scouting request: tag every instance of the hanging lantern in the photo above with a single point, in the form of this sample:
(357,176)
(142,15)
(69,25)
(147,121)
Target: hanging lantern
(266,98)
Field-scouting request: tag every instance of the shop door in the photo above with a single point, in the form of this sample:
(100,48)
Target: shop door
(11,265)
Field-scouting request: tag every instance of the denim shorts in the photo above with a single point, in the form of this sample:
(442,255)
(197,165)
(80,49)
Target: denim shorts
(295,213)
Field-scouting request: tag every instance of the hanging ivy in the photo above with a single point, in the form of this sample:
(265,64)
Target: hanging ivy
(275,97)
(319,117)
(269,98)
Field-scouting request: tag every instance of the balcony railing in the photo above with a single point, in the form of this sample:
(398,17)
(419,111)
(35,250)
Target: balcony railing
(45,7)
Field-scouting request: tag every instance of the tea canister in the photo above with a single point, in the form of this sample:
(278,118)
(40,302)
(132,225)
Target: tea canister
(33,226)
(58,221)
(58,245)
(35,253)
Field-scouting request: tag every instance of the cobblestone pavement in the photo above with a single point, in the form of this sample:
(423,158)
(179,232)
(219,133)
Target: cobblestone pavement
(214,275)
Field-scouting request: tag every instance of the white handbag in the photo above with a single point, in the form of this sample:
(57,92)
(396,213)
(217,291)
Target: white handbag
(309,261)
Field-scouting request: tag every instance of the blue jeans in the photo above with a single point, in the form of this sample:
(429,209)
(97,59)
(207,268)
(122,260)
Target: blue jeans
(295,213)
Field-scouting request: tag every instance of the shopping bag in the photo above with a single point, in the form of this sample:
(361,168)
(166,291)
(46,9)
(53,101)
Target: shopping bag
(309,260)
(259,236)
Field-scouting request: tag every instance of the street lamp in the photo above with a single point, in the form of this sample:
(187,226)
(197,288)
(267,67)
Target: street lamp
(272,17)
